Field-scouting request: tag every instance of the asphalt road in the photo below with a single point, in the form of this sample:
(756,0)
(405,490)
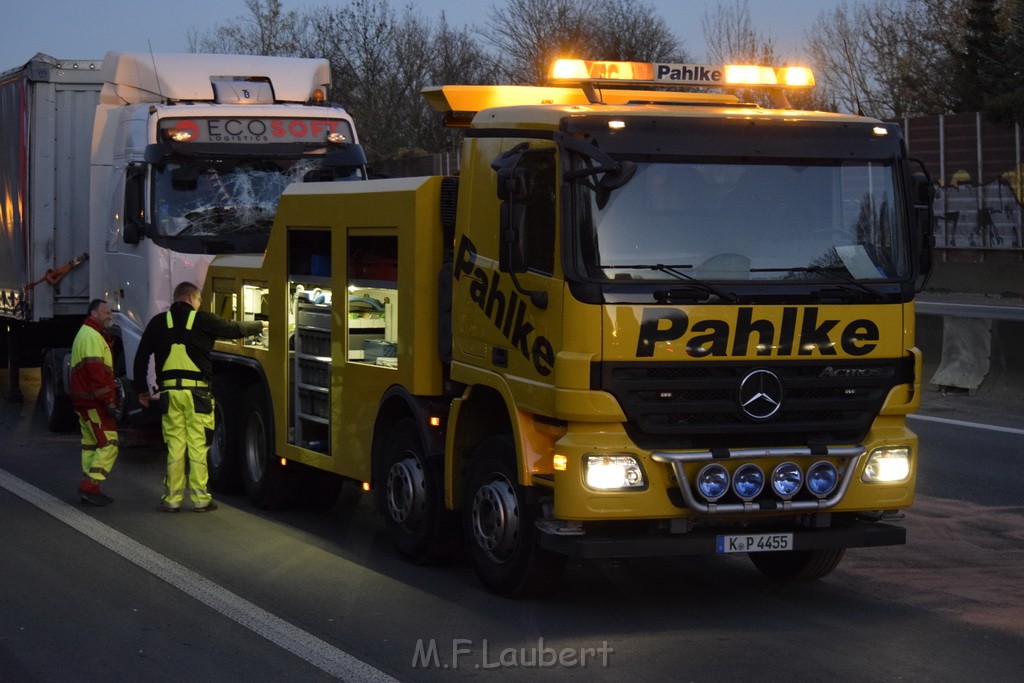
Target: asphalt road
(128,593)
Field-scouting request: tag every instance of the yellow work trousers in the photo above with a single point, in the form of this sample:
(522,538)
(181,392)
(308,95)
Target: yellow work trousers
(99,443)
(188,429)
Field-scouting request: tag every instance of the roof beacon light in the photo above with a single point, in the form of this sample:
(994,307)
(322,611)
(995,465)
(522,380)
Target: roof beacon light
(569,70)
(654,73)
(750,74)
(796,77)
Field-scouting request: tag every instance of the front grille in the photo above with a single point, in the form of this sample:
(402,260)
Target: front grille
(697,405)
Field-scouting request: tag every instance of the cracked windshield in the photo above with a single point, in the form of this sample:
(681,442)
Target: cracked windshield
(225,197)
(719,221)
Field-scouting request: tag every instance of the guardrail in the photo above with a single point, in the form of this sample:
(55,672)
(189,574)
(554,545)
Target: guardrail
(970,306)
(970,342)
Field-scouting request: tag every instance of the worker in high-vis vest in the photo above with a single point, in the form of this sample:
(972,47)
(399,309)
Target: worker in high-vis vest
(93,392)
(180,341)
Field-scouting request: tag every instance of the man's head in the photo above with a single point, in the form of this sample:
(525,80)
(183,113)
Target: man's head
(99,310)
(189,293)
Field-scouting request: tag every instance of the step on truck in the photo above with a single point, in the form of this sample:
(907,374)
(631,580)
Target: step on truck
(642,320)
(123,176)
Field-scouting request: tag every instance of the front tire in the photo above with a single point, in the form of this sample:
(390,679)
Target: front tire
(422,530)
(268,483)
(502,539)
(798,565)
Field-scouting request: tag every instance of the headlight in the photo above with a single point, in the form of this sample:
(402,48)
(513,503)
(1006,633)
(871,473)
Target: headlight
(748,482)
(887,465)
(822,478)
(786,480)
(713,482)
(612,472)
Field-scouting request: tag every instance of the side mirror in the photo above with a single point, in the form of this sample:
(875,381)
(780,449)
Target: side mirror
(135,204)
(133,232)
(512,183)
(346,162)
(513,189)
(924,218)
(345,156)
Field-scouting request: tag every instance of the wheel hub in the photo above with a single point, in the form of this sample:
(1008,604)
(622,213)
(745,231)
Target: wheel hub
(406,492)
(495,519)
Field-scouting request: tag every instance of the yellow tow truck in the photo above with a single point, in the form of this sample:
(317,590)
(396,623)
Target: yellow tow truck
(646,318)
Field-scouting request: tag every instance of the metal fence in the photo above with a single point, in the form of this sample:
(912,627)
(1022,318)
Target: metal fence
(443,163)
(976,166)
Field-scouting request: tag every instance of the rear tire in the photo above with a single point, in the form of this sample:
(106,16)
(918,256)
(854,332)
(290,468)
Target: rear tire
(798,565)
(501,537)
(224,459)
(268,483)
(60,416)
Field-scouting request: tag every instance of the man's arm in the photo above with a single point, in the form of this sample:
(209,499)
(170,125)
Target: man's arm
(220,328)
(140,376)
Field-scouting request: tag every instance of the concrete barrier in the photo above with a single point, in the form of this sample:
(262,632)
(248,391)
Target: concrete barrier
(972,344)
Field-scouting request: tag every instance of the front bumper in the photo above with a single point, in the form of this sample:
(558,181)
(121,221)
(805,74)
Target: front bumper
(856,534)
(670,475)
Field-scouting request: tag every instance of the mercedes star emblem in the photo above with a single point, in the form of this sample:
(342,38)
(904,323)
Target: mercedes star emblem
(760,394)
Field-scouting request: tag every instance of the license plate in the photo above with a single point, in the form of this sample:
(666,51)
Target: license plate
(754,543)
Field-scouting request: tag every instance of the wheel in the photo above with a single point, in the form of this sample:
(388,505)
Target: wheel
(798,565)
(422,530)
(501,537)
(60,417)
(224,458)
(268,483)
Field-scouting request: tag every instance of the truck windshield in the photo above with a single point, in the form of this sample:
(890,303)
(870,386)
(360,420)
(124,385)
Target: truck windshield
(746,221)
(222,205)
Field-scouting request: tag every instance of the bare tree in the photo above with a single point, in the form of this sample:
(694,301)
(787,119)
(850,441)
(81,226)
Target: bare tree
(842,62)
(889,59)
(531,34)
(414,50)
(731,36)
(380,59)
(914,49)
(633,31)
(459,58)
(266,30)
(368,49)
(456,57)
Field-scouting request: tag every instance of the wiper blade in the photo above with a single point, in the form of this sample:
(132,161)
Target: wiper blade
(674,295)
(832,273)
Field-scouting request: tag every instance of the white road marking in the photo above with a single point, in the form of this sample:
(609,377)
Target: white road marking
(961,423)
(317,652)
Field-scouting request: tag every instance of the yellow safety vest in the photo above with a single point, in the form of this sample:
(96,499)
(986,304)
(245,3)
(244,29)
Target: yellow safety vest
(178,371)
